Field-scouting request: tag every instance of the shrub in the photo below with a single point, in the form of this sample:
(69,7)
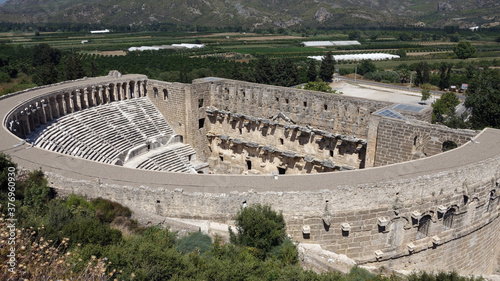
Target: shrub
(287,252)
(195,241)
(4,77)
(383,76)
(366,66)
(260,227)
(36,193)
(79,206)
(107,211)
(89,230)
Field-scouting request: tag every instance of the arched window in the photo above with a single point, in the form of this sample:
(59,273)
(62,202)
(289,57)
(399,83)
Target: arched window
(165,94)
(448,145)
(423,227)
(448,218)
(155,93)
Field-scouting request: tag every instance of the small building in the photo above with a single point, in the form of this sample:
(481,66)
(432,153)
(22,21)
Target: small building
(85,41)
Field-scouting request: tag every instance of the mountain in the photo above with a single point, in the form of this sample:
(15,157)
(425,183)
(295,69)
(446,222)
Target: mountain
(257,13)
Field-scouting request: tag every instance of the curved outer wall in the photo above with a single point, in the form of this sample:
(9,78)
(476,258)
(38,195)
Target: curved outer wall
(373,215)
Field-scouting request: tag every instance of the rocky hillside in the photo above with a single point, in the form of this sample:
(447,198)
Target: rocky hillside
(257,13)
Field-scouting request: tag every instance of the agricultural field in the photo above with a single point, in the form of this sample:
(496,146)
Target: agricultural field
(236,55)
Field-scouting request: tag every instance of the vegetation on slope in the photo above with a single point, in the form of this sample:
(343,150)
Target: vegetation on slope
(277,14)
(72,238)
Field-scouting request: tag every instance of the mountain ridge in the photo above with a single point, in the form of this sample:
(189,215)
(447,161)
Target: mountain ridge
(257,13)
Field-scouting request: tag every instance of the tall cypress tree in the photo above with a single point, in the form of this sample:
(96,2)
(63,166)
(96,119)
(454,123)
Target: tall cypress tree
(312,74)
(444,75)
(327,67)
(73,67)
(264,72)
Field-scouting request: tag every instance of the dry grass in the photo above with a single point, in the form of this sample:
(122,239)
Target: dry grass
(38,259)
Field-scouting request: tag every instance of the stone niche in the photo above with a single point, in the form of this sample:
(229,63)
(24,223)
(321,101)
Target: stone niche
(277,145)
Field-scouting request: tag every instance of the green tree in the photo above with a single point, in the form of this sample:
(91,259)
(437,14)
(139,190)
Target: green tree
(312,74)
(426,94)
(444,106)
(45,74)
(286,73)
(43,54)
(366,66)
(319,86)
(423,73)
(464,50)
(444,75)
(236,73)
(401,53)
(404,75)
(327,67)
(264,72)
(73,67)
(405,36)
(260,227)
(483,99)
(93,68)
(354,35)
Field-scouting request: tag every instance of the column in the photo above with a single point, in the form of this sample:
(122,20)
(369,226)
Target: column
(139,88)
(104,98)
(136,90)
(84,98)
(69,103)
(91,97)
(47,109)
(54,107)
(97,96)
(112,92)
(109,95)
(43,115)
(62,105)
(24,124)
(75,101)
(34,115)
(31,122)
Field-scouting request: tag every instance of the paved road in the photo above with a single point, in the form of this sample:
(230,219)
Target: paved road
(417,90)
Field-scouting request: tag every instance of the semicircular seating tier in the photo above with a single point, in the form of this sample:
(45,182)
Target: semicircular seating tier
(130,132)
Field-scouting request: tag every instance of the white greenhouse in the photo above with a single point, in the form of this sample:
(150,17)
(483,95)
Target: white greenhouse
(358,57)
(329,43)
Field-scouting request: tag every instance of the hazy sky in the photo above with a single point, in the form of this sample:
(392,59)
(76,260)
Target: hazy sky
(2,1)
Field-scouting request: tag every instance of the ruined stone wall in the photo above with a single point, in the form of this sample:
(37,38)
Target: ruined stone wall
(183,106)
(398,141)
(198,123)
(374,223)
(170,100)
(397,215)
(333,113)
(239,145)
(391,235)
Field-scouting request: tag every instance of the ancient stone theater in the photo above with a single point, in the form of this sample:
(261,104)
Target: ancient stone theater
(371,180)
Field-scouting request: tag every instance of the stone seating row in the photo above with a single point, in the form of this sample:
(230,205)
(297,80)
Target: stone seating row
(104,132)
(171,160)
